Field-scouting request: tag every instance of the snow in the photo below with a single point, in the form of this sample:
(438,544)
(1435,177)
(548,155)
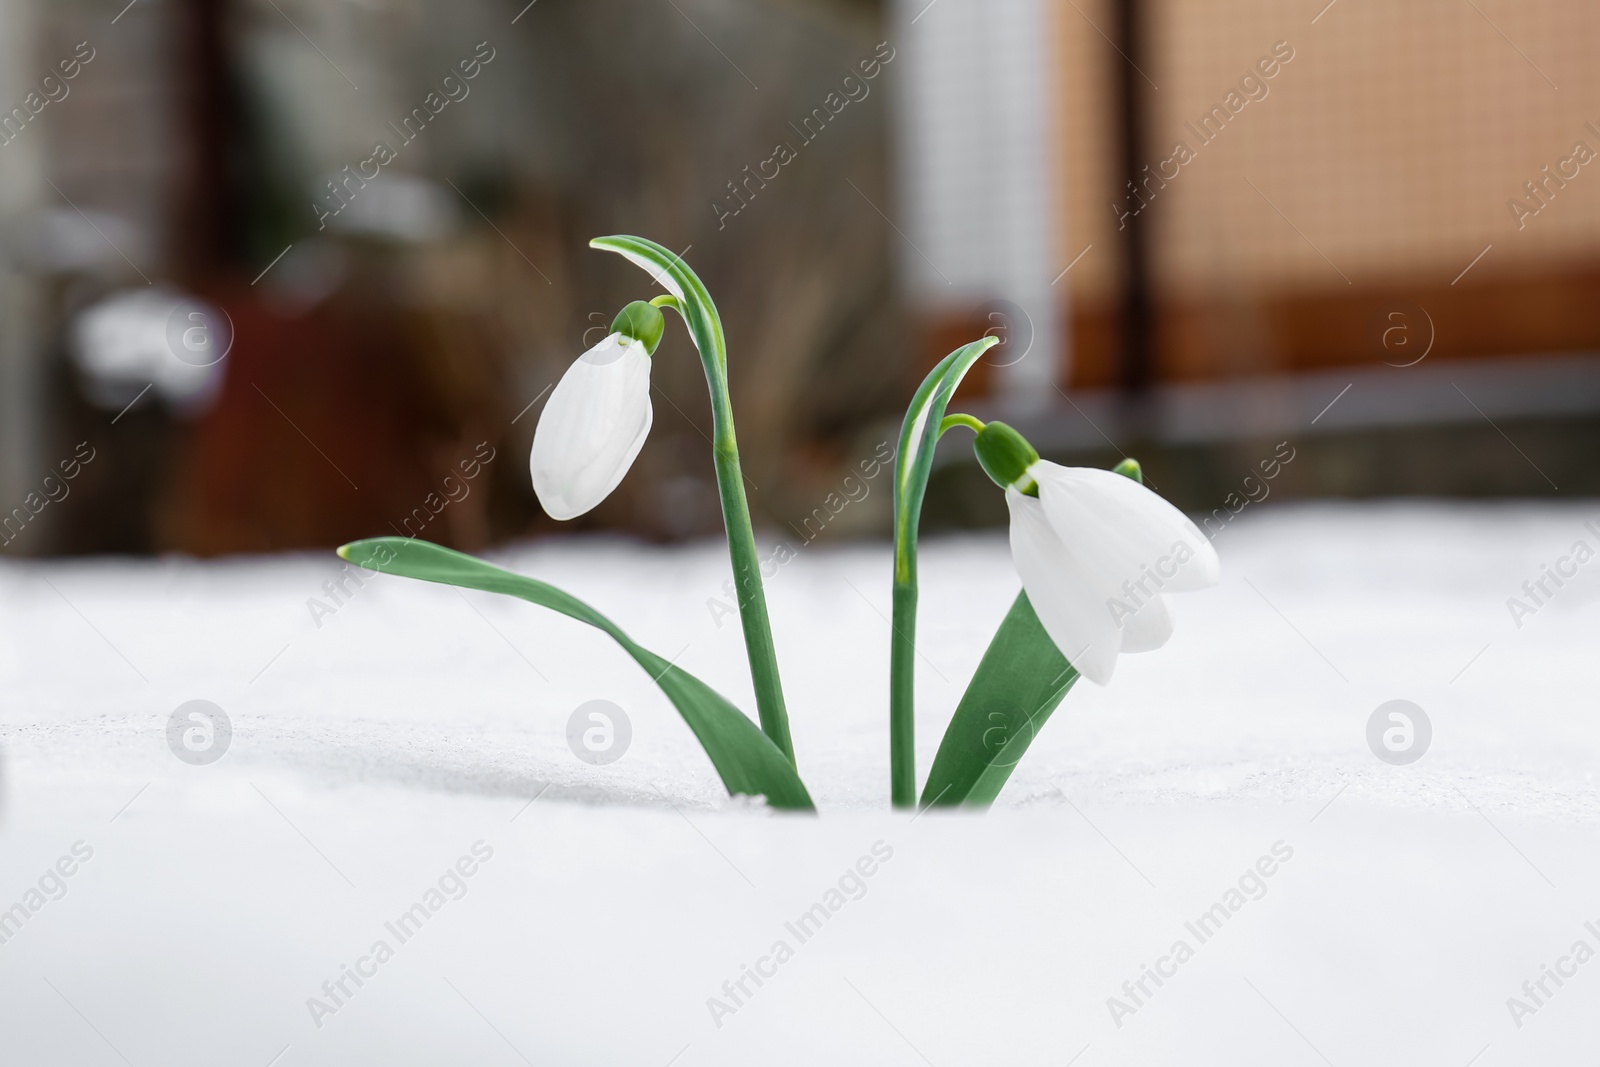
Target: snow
(371,752)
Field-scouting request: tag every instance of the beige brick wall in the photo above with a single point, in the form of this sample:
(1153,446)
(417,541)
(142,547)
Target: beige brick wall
(1392,141)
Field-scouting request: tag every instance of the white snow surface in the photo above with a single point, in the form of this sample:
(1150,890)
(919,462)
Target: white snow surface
(376,746)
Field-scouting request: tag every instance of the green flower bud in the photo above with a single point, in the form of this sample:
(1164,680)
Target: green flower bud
(1129,468)
(1005,456)
(640,321)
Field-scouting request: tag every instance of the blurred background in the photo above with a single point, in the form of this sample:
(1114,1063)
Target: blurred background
(278,274)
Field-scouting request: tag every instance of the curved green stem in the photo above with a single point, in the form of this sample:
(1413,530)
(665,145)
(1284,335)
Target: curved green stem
(923,424)
(691,300)
(950,422)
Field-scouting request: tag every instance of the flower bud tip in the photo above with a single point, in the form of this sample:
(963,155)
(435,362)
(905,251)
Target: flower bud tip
(1005,456)
(1129,468)
(640,321)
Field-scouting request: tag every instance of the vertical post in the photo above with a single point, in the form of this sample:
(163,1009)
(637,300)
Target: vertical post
(212,212)
(1137,365)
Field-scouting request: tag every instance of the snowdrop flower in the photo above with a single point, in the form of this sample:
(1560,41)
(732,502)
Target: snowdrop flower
(1096,552)
(597,418)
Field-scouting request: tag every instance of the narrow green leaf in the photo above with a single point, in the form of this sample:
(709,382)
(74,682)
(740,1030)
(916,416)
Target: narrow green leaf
(918,435)
(745,757)
(673,274)
(1019,682)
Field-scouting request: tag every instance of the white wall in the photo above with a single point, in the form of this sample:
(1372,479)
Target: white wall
(979,185)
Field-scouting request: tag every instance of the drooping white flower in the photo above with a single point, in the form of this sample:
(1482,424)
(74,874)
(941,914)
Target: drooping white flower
(592,427)
(1097,552)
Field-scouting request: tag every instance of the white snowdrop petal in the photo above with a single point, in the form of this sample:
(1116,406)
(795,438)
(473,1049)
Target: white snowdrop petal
(1147,628)
(592,428)
(1069,600)
(1126,530)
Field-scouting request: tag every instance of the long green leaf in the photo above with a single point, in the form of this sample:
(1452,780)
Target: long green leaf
(1019,682)
(745,757)
(1021,679)
(918,436)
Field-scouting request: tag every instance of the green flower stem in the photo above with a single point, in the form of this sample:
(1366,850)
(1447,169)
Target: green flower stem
(950,422)
(705,327)
(753,616)
(903,652)
(902,691)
